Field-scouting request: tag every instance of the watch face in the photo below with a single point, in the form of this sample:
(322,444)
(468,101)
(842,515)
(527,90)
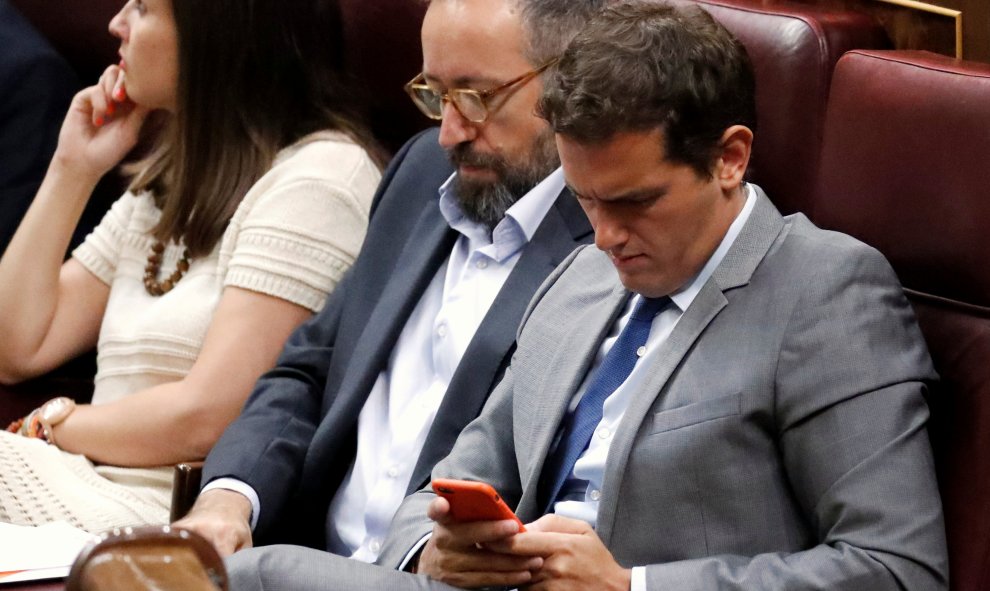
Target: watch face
(54,411)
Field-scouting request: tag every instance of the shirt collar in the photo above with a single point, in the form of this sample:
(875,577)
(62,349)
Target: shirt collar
(683,297)
(518,226)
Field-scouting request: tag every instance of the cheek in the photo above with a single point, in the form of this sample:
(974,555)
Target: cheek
(514,127)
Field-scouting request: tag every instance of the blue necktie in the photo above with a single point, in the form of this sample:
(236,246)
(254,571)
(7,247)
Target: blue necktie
(580,424)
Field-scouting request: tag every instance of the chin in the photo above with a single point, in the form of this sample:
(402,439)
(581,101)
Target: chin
(649,291)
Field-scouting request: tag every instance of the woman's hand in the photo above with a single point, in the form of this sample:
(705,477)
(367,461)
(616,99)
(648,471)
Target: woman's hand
(101,127)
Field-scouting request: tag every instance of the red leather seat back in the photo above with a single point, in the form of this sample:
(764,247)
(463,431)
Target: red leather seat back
(794,48)
(904,168)
(79,30)
(382,51)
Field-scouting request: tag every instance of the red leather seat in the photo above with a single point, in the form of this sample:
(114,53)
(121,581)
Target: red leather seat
(904,165)
(78,29)
(794,48)
(382,51)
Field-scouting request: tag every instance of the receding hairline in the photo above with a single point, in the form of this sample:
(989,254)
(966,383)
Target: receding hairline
(547,25)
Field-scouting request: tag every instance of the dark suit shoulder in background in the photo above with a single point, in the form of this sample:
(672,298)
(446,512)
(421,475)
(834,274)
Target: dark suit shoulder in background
(38,85)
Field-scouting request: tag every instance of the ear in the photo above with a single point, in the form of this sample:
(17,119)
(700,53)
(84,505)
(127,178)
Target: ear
(737,144)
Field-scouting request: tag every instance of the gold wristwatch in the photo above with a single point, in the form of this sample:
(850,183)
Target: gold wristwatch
(52,413)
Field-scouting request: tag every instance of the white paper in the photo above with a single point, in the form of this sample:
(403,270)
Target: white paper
(45,551)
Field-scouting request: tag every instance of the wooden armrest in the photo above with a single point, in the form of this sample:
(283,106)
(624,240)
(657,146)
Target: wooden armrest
(148,558)
(185,488)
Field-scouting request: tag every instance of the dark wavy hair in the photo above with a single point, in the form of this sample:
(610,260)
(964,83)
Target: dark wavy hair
(549,25)
(254,77)
(643,65)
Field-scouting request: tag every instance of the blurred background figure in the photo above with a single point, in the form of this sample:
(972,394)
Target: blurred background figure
(37,87)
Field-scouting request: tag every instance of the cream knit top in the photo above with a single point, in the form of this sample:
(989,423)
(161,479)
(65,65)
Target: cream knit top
(293,236)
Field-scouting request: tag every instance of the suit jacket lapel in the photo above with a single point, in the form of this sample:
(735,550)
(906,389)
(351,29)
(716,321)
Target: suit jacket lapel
(735,270)
(582,343)
(417,265)
(561,231)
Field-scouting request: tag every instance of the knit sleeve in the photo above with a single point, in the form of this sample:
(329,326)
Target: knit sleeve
(100,251)
(299,237)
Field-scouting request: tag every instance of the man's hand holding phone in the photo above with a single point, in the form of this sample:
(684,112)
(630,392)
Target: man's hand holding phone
(475,544)
(457,553)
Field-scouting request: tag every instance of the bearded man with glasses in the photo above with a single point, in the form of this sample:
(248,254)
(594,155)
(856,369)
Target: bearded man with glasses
(468,222)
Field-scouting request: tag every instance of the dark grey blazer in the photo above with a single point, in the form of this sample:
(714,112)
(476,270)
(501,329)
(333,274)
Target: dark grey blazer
(37,88)
(296,437)
(778,443)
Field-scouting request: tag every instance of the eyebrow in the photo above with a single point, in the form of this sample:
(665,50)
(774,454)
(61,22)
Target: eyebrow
(462,82)
(633,195)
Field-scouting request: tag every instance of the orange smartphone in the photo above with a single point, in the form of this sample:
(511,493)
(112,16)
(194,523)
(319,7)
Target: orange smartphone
(474,501)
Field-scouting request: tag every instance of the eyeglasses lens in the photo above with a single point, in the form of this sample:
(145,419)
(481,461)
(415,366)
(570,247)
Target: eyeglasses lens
(470,105)
(428,102)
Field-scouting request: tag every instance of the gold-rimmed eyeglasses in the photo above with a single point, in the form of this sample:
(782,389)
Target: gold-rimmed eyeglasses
(471,104)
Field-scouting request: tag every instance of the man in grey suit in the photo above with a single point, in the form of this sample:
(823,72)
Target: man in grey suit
(716,397)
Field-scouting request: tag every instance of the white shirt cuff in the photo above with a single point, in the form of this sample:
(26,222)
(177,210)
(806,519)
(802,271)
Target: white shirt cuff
(638,582)
(416,548)
(242,487)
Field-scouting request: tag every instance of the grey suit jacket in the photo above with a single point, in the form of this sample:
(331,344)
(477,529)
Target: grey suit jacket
(781,443)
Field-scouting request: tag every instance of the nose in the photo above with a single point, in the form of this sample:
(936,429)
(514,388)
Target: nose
(454,128)
(610,234)
(118,24)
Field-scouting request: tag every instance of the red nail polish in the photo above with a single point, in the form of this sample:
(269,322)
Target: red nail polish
(119,95)
(99,121)
(111,109)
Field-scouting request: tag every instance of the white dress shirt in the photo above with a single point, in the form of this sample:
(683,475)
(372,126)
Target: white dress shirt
(403,402)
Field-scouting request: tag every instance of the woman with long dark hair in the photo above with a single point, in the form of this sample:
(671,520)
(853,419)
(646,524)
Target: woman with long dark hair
(236,226)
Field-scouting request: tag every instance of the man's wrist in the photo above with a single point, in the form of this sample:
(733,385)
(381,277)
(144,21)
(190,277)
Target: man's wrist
(226,501)
(245,490)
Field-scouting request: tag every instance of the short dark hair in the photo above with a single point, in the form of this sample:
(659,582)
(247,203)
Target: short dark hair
(643,65)
(549,25)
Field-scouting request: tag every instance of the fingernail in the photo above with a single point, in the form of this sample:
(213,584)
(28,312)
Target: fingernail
(111,108)
(99,121)
(119,94)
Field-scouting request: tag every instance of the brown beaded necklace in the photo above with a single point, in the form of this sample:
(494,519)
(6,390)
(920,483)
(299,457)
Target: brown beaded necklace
(152,269)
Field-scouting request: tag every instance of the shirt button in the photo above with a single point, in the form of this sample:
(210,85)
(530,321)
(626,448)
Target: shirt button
(442,330)
(481,264)
(604,433)
(393,472)
(375,546)
(596,495)
(641,351)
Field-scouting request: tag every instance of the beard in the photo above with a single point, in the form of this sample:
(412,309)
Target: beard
(486,202)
